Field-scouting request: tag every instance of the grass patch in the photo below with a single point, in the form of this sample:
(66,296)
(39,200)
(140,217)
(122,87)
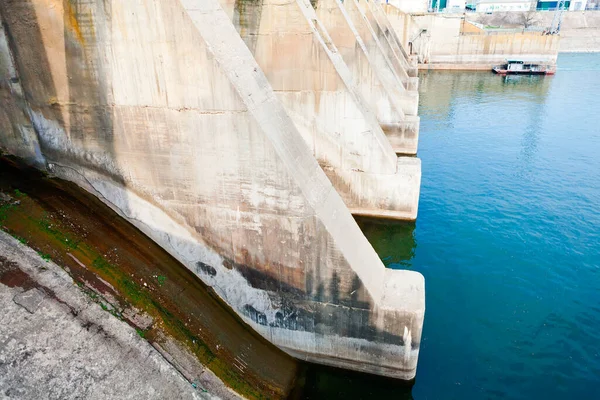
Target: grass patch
(5,210)
(133,291)
(19,238)
(47,227)
(161,279)
(103,266)
(45,257)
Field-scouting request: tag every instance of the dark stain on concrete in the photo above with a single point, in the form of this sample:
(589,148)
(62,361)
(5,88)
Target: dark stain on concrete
(205,268)
(12,276)
(247,16)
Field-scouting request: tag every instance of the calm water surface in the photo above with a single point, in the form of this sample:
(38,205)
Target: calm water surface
(508,234)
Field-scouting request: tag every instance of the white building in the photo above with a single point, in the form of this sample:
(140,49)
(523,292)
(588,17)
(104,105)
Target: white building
(505,5)
(456,5)
(578,5)
(410,6)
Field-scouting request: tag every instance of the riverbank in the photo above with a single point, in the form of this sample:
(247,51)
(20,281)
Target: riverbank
(57,342)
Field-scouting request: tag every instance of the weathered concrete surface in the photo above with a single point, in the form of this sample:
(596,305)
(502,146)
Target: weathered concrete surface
(401,130)
(160,110)
(376,17)
(18,134)
(55,343)
(379,50)
(319,92)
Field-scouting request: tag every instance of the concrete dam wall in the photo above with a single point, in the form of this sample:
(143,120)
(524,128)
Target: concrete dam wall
(240,138)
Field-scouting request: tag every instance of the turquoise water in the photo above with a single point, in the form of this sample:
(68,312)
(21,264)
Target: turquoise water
(508,234)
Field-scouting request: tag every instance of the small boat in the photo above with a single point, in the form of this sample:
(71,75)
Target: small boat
(520,68)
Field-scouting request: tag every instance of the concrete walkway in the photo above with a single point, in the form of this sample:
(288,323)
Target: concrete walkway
(56,343)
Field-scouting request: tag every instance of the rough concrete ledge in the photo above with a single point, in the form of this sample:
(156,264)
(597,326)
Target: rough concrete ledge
(413,82)
(404,136)
(390,196)
(55,342)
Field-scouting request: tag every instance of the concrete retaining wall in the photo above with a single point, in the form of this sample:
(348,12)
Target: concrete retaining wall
(447,45)
(159,109)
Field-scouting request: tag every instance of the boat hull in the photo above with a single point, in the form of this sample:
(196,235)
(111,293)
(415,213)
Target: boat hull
(501,71)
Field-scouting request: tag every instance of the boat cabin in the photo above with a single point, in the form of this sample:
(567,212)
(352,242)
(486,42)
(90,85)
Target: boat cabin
(520,68)
(512,65)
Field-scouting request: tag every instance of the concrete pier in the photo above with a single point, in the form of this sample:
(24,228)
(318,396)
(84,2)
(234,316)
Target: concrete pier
(243,164)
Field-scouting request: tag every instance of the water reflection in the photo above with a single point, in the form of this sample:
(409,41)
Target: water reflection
(530,139)
(447,88)
(394,241)
(321,382)
(524,80)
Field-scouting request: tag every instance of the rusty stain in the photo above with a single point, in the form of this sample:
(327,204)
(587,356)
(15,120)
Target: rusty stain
(72,22)
(12,276)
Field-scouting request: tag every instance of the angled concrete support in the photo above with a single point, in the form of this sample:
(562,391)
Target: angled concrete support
(380,23)
(320,93)
(405,71)
(409,62)
(159,109)
(401,130)
(381,55)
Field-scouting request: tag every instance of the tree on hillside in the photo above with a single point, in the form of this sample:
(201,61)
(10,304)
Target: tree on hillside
(528,19)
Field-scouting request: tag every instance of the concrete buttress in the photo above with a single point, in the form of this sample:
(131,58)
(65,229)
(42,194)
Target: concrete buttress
(388,104)
(159,109)
(362,10)
(318,91)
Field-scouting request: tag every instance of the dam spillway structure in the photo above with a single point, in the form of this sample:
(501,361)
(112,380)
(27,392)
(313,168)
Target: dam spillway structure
(241,137)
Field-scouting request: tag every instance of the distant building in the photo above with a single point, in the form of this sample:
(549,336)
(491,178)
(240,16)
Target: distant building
(506,5)
(421,6)
(411,6)
(578,5)
(456,5)
(544,5)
